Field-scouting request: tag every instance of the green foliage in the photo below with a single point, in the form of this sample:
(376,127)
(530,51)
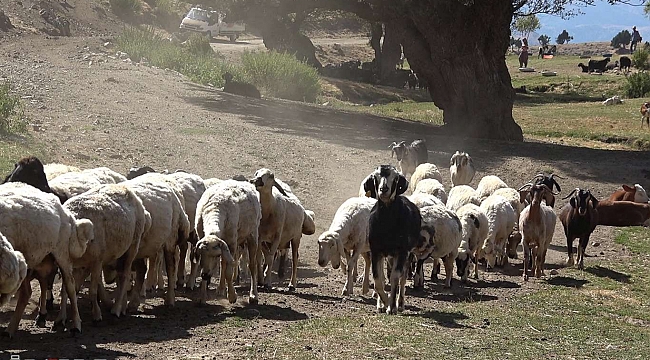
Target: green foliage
(281,75)
(544,39)
(12,115)
(125,7)
(622,38)
(198,44)
(638,85)
(564,37)
(640,58)
(526,24)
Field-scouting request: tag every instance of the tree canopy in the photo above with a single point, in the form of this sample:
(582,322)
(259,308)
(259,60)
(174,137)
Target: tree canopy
(623,38)
(564,37)
(544,39)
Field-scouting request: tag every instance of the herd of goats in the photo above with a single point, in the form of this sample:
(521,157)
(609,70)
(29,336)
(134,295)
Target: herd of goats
(132,230)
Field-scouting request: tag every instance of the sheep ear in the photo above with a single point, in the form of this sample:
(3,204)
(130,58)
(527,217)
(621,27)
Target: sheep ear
(280,189)
(402,185)
(369,186)
(463,162)
(523,194)
(225,252)
(628,188)
(557,186)
(476,222)
(573,202)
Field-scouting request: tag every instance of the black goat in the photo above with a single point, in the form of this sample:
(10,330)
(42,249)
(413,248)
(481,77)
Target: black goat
(598,65)
(624,63)
(584,67)
(240,88)
(549,181)
(394,231)
(579,220)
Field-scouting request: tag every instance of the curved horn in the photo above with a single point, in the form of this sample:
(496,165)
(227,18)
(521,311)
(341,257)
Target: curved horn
(528,184)
(280,189)
(540,175)
(571,193)
(548,189)
(557,176)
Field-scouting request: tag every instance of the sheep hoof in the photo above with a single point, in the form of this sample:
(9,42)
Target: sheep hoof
(40,320)
(49,304)
(292,288)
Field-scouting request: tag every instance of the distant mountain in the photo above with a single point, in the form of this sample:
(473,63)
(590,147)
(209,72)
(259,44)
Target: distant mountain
(598,23)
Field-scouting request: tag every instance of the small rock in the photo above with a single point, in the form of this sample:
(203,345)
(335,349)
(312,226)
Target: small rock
(307,347)
(602,253)
(595,244)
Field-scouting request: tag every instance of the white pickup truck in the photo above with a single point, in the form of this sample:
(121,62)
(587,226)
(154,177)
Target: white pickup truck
(211,24)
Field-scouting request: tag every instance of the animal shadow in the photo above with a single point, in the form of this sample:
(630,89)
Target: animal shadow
(444,319)
(567,282)
(604,272)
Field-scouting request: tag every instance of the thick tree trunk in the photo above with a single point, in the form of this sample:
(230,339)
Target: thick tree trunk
(277,36)
(376,32)
(460,51)
(391,50)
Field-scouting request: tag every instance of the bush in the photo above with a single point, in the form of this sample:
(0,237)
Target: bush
(125,7)
(638,85)
(640,58)
(12,114)
(622,38)
(282,75)
(198,44)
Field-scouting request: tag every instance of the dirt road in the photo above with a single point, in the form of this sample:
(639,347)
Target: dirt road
(96,111)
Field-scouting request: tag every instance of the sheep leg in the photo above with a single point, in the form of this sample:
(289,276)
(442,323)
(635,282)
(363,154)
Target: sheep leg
(221,288)
(253,267)
(269,257)
(399,268)
(282,263)
(569,250)
(152,273)
(170,264)
(402,292)
(42,308)
(68,281)
(140,270)
(526,261)
(448,261)
(180,276)
(351,266)
(584,241)
(418,278)
(24,294)
(365,287)
(295,244)
(95,278)
(476,254)
(194,271)
(123,270)
(378,277)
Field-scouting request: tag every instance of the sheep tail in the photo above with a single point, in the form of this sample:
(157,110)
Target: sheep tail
(308,225)
(82,232)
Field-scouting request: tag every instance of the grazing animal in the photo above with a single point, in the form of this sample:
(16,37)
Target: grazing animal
(475,229)
(488,185)
(584,67)
(501,221)
(550,182)
(645,114)
(579,218)
(424,171)
(461,169)
(462,195)
(614,100)
(410,156)
(598,65)
(394,231)
(13,270)
(623,213)
(536,224)
(628,193)
(240,88)
(624,63)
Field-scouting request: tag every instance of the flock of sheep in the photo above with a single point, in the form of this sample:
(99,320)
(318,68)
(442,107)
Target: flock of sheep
(131,230)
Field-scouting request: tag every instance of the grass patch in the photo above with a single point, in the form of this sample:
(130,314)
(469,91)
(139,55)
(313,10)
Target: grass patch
(582,314)
(12,113)
(278,75)
(636,238)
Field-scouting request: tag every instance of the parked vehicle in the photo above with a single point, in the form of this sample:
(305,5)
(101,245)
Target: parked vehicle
(211,24)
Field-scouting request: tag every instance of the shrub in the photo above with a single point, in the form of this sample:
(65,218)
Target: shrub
(638,85)
(198,44)
(125,7)
(640,59)
(12,114)
(281,75)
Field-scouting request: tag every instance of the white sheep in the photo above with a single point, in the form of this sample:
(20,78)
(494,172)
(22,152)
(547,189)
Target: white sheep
(228,216)
(13,270)
(211,182)
(119,221)
(441,237)
(106,175)
(421,200)
(432,187)
(283,219)
(37,225)
(461,169)
(169,228)
(424,171)
(501,220)
(518,203)
(537,224)
(348,233)
(461,195)
(488,185)
(53,170)
(475,230)
(74,183)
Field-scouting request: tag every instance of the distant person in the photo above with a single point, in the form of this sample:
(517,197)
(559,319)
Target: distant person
(523,56)
(636,38)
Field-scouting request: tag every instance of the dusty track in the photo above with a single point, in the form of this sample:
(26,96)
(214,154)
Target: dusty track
(118,115)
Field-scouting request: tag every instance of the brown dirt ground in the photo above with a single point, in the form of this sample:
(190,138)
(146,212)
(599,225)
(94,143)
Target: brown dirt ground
(90,110)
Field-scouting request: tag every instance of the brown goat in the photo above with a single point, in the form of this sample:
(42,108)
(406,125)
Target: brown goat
(623,213)
(629,193)
(579,219)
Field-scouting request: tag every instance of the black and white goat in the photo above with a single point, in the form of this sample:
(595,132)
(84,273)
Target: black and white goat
(579,219)
(394,231)
(550,182)
(410,156)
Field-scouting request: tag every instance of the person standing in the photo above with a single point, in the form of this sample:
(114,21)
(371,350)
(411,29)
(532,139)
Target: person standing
(523,56)
(636,38)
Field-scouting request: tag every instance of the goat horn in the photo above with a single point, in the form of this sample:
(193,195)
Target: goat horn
(521,188)
(540,175)
(547,188)
(557,176)
(571,193)
(280,189)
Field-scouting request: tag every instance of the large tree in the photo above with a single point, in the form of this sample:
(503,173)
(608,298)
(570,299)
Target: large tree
(458,46)
(526,25)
